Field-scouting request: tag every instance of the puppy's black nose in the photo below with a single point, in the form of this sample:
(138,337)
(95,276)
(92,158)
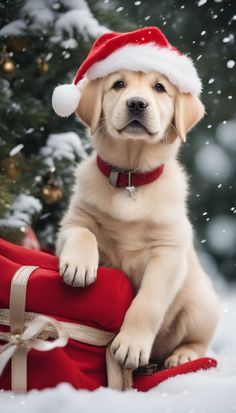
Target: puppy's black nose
(136,105)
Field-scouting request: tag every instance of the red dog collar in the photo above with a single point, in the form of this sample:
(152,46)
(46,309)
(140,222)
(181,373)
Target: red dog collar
(121,178)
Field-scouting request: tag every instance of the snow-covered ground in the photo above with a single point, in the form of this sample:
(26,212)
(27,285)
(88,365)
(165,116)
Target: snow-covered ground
(212,391)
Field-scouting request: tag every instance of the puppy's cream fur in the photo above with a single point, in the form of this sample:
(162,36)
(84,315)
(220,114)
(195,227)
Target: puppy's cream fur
(175,311)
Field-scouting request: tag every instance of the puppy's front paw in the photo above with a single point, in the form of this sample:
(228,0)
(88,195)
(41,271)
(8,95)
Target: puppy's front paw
(131,350)
(180,356)
(79,270)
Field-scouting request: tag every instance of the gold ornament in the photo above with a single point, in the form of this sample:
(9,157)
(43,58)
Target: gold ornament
(52,189)
(6,63)
(42,65)
(10,167)
(51,195)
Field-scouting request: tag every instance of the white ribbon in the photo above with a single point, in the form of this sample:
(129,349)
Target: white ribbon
(30,339)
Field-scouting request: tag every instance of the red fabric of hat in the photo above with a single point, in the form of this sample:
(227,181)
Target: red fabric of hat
(144,50)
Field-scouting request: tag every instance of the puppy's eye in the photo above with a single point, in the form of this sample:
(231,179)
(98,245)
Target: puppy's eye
(159,88)
(119,84)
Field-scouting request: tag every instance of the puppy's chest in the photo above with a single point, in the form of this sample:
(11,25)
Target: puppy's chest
(126,245)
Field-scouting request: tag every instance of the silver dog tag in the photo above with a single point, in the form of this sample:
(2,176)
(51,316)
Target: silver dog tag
(130,188)
(132,192)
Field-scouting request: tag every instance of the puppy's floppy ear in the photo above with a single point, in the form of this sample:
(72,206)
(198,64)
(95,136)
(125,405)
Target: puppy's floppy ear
(90,105)
(189,110)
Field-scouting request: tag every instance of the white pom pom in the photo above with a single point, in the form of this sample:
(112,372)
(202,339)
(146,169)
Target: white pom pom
(65,99)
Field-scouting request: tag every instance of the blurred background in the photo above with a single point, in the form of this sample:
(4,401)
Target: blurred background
(42,44)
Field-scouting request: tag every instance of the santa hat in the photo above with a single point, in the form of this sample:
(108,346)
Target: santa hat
(142,50)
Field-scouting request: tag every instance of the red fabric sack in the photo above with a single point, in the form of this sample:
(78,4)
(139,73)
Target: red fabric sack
(102,305)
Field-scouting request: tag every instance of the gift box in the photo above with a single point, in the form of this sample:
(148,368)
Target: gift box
(52,333)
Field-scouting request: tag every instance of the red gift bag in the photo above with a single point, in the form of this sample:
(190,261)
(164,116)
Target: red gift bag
(101,306)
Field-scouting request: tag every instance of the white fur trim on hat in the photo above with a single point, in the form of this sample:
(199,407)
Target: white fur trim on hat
(179,69)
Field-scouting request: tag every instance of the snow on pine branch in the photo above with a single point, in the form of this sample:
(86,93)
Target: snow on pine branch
(15,28)
(38,15)
(21,212)
(63,146)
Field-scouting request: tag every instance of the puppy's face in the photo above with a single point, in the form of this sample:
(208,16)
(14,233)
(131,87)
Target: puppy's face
(138,105)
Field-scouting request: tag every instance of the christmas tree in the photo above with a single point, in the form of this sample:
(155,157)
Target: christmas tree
(43,43)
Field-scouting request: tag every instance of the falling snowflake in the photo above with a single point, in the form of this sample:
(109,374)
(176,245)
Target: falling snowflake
(229,39)
(230,64)
(16,149)
(201,2)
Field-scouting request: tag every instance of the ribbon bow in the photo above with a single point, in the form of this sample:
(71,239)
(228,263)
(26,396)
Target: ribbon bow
(33,337)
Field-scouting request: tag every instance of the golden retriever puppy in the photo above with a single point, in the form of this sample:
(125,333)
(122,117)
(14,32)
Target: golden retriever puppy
(137,122)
